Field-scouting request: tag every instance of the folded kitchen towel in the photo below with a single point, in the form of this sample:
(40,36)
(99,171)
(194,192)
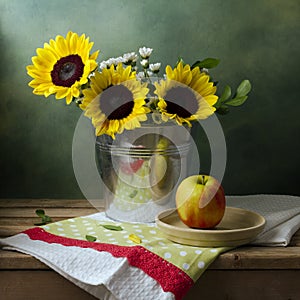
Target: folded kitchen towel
(282,214)
(116,266)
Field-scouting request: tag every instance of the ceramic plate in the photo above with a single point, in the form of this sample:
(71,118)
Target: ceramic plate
(238,227)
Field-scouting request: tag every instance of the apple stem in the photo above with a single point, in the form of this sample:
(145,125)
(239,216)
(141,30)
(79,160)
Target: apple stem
(203,179)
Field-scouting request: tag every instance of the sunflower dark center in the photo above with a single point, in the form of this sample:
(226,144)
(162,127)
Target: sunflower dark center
(116,102)
(181,101)
(67,70)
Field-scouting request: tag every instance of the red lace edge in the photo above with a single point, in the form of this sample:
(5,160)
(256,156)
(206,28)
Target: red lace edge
(170,277)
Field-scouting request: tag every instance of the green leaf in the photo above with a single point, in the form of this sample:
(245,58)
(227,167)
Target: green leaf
(207,63)
(237,101)
(112,227)
(40,213)
(226,93)
(223,110)
(152,105)
(44,218)
(133,194)
(244,88)
(90,238)
(224,96)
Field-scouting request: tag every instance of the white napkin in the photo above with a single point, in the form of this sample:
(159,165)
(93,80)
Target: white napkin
(282,214)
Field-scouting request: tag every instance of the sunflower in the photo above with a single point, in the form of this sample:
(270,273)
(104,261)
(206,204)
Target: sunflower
(62,66)
(185,95)
(115,100)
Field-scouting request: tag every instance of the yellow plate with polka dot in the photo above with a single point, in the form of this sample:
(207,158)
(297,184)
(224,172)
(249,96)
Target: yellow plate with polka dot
(238,227)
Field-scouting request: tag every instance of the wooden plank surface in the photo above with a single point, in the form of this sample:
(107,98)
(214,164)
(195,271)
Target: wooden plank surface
(247,285)
(37,285)
(23,212)
(214,284)
(42,203)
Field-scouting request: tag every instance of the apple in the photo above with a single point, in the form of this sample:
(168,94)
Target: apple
(131,167)
(200,201)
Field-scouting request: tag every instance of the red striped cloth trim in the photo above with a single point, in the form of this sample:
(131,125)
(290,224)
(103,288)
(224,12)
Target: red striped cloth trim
(170,277)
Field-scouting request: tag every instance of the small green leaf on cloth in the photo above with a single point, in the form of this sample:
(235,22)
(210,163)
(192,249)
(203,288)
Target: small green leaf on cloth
(135,238)
(112,227)
(90,238)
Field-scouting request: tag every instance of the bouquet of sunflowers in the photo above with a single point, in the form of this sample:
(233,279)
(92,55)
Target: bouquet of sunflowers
(116,96)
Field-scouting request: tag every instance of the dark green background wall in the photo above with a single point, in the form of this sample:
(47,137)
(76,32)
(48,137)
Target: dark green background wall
(256,39)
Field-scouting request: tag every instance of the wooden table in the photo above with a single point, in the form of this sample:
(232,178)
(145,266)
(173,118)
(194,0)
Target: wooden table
(243,273)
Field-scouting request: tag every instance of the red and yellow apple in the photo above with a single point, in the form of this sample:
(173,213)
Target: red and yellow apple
(200,201)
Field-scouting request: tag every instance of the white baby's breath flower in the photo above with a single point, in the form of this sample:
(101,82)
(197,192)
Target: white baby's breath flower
(120,59)
(111,61)
(103,65)
(115,60)
(130,57)
(145,52)
(204,70)
(140,75)
(149,73)
(155,67)
(145,63)
(143,75)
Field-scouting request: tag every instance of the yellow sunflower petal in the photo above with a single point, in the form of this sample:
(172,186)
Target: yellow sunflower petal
(51,67)
(113,123)
(193,80)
